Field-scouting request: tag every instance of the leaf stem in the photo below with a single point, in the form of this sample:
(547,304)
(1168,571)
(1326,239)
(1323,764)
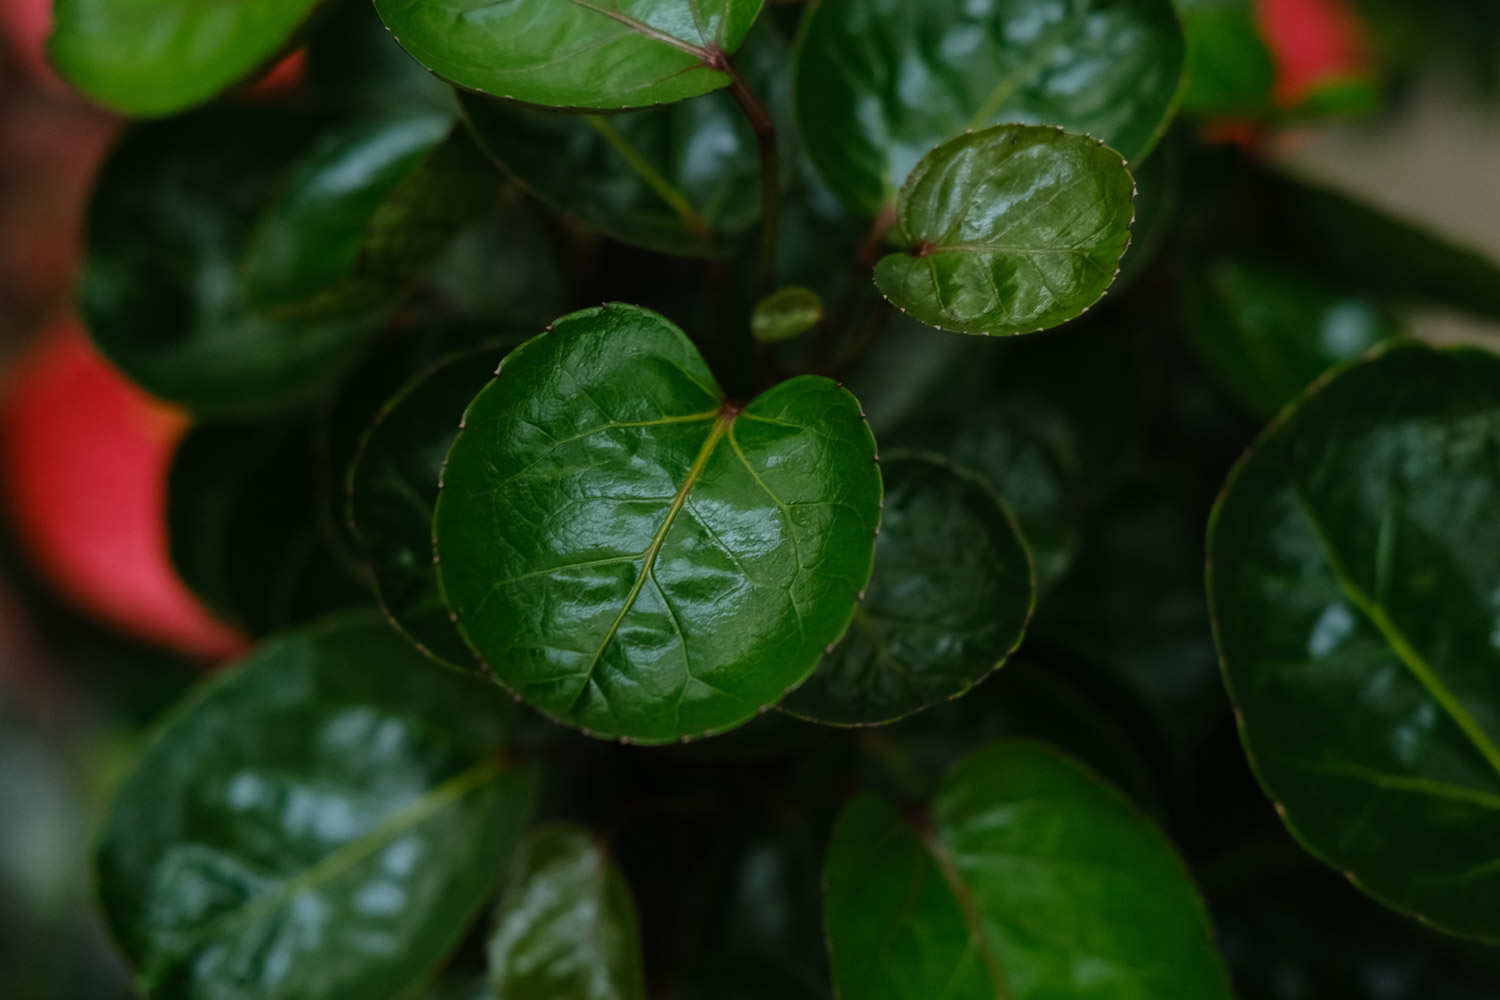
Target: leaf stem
(764,127)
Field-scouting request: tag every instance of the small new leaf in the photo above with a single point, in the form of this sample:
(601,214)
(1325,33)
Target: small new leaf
(1009,230)
(785,314)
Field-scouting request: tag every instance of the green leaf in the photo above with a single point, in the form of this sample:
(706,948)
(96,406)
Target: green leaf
(565,926)
(1355,587)
(1009,230)
(1230,68)
(1368,250)
(362,214)
(785,314)
(244,530)
(1030,878)
(635,555)
(323,820)
(393,487)
(1267,331)
(605,55)
(881,82)
(162,293)
(682,179)
(949,601)
(155,57)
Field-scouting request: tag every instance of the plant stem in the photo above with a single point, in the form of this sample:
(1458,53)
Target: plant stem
(770,168)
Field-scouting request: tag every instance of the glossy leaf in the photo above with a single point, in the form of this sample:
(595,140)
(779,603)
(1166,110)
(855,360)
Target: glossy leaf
(243,526)
(605,55)
(161,290)
(393,487)
(1369,250)
(682,179)
(323,820)
(363,213)
(785,314)
(636,556)
(1353,578)
(881,82)
(949,601)
(1230,68)
(1030,878)
(565,926)
(1010,230)
(1266,331)
(155,57)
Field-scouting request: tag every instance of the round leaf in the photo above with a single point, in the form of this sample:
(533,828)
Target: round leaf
(1266,332)
(1031,878)
(322,821)
(1010,230)
(154,57)
(162,293)
(881,82)
(949,601)
(635,555)
(1355,585)
(393,488)
(565,926)
(606,55)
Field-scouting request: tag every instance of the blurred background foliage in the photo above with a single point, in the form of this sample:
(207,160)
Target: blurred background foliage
(1120,668)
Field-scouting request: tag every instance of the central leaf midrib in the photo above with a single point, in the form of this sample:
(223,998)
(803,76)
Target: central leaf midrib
(340,860)
(648,558)
(644,30)
(1414,662)
(969,909)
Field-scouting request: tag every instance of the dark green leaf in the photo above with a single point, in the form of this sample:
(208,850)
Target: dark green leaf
(393,486)
(1230,69)
(949,601)
(362,213)
(565,926)
(682,179)
(161,292)
(784,314)
(1267,331)
(636,556)
(1368,250)
(605,55)
(322,821)
(1031,878)
(881,82)
(244,528)
(1354,580)
(1009,230)
(154,57)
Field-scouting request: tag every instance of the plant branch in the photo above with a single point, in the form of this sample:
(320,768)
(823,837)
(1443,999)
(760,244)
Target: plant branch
(764,127)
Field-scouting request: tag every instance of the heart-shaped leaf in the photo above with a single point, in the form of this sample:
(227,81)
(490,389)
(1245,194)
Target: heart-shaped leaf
(605,55)
(323,820)
(635,555)
(565,926)
(1029,878)
(881,82)
(1009,230)
(949,601)
(155,57)
(392,489)
(162,292)
(1354,577)
(1267,331)
(362,213)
